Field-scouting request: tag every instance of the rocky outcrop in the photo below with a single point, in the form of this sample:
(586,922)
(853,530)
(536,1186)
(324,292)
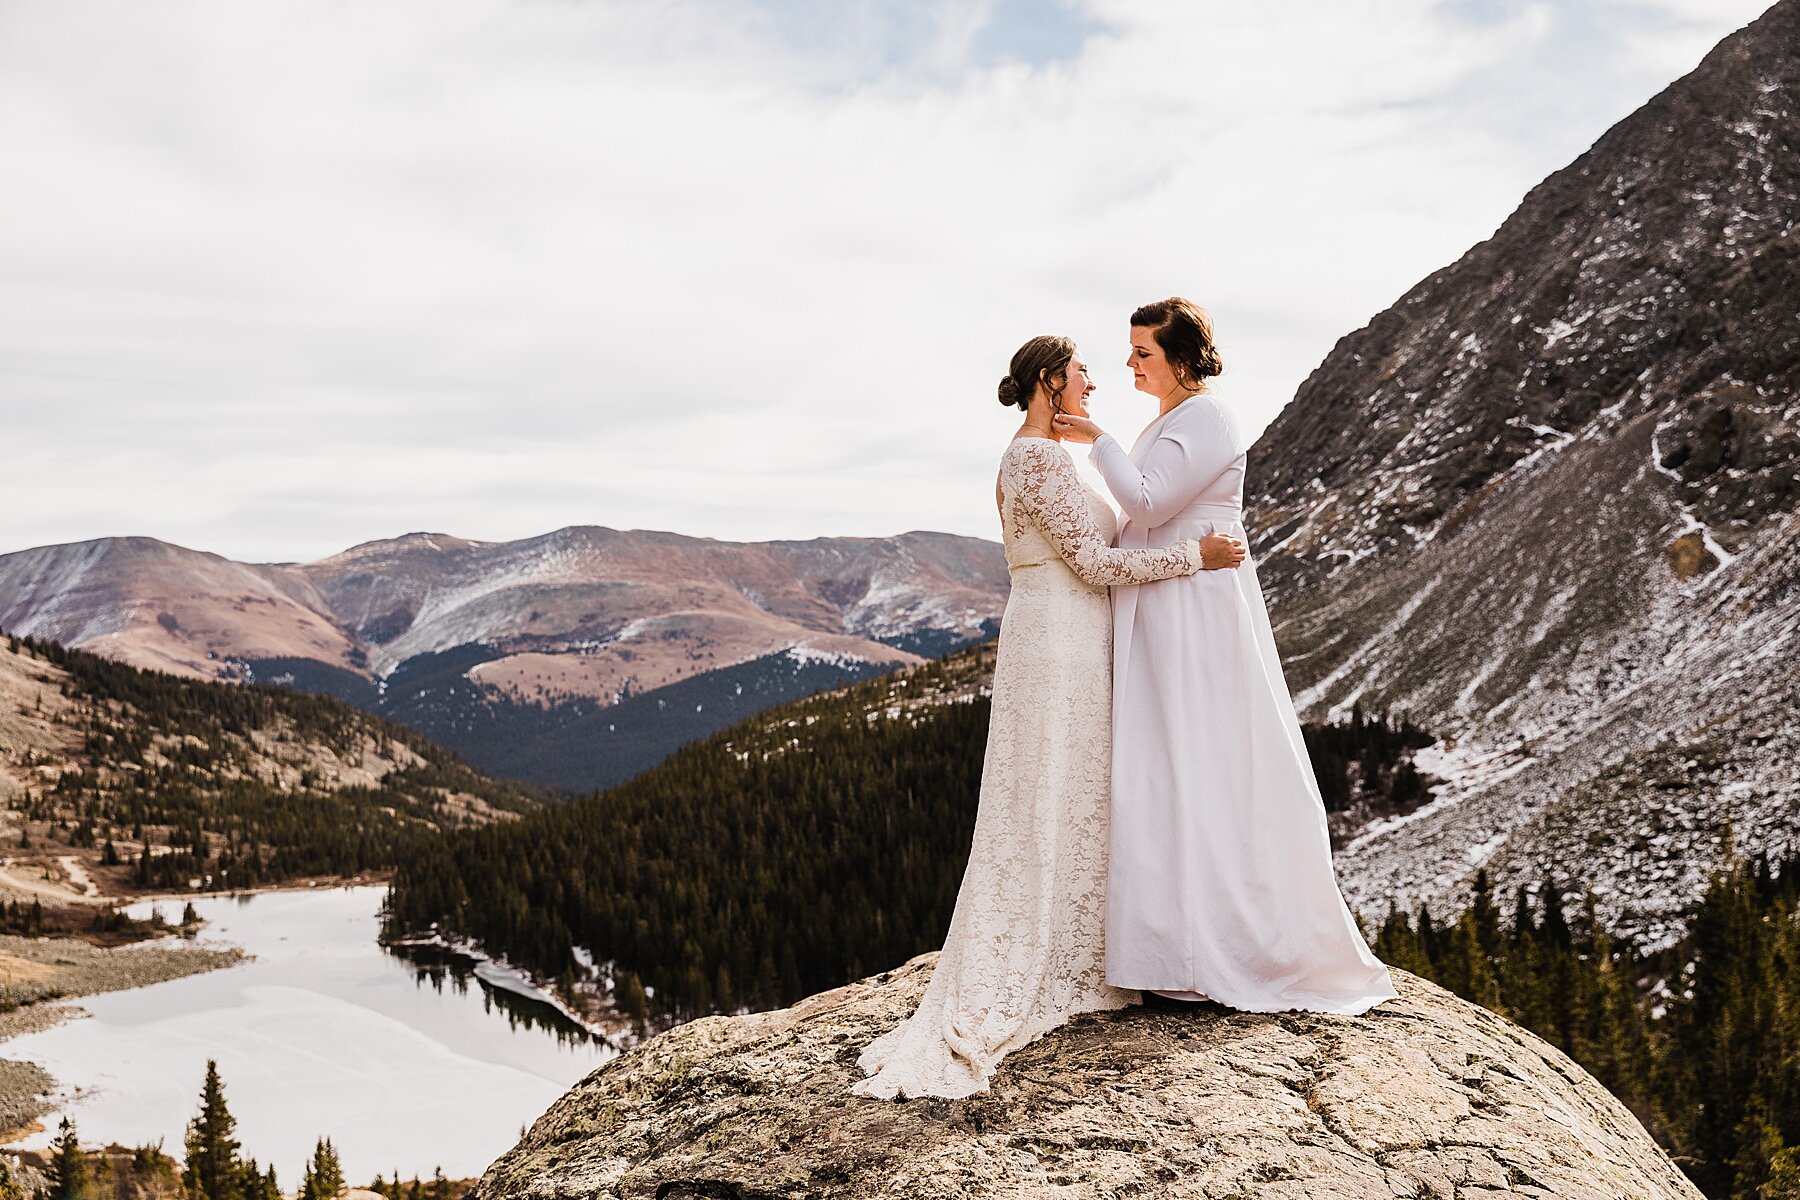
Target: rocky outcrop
(1426,1096)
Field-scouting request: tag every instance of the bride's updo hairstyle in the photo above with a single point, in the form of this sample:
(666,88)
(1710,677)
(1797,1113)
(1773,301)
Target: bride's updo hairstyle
(1046,356)
(1185,333)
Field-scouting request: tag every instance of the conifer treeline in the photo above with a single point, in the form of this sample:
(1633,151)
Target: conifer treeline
(785,855)
(214,1168)
(744,871)
(1701,1040)
(1365,762)
(176,788)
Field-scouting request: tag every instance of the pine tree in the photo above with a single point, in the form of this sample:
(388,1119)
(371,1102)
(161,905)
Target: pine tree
(1486,917)
(68,1167)
(1784,1176)
(9,1184)
(1477,968)
(324,1176)
(213,1171)
(106,1179)
(256,1183)
(154,1173)
(1759,1143)
(1554,925)
(1711,1085)
(633,1001)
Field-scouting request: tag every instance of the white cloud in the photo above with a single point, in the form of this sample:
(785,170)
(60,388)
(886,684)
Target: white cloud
(281,276)
(1669,37)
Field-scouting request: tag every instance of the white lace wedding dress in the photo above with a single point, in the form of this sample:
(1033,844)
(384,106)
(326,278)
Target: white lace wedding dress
(1025,949)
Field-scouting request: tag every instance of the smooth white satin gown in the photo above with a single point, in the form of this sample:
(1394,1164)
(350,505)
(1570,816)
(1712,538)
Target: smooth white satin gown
(1221,883)
(1024,950)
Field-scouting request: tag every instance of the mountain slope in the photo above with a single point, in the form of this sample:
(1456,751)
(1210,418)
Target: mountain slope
(577,658)
(1546,505)
(144,602)
(744,869)
(139,780)
(642,607)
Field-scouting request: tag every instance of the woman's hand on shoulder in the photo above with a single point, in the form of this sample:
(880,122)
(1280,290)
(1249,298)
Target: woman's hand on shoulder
(1219,551)
(1076,429)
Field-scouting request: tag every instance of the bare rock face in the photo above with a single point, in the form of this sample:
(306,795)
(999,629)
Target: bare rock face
(1547,505)
(1426,1096)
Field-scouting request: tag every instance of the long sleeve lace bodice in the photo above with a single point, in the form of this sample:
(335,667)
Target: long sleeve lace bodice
(1046,510)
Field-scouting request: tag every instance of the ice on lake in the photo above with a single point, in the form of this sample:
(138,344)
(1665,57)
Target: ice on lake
(322,1033)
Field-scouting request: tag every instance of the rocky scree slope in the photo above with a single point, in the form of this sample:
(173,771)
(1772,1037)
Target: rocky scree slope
(1425,1097)
(1546,506)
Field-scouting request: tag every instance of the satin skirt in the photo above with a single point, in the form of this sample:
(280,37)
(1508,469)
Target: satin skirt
(1221,882)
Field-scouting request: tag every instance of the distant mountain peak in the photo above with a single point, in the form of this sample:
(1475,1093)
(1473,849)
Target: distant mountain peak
(487,646)
(1653,274)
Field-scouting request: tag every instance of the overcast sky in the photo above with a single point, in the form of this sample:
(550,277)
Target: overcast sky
(279,277)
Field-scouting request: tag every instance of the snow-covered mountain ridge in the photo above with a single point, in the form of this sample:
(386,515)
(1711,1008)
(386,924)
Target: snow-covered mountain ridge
(514,652)
(1546,505)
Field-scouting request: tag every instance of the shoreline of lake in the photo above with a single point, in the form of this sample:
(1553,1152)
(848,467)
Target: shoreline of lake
(45,976)
(409,1061)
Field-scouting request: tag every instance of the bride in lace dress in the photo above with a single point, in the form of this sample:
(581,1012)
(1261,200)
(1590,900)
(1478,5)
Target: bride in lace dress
(1024,952)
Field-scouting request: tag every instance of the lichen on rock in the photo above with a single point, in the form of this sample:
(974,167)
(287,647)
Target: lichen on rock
(1426,1097)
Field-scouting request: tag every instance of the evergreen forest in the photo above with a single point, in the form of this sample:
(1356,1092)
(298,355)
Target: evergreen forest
(1701,1039)
(1365,769)
(739,873)
(235,786)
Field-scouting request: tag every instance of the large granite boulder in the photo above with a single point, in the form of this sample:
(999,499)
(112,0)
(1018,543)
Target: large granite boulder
(1426,1096)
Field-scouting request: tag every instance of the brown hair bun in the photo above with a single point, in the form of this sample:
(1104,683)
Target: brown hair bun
(1046,358)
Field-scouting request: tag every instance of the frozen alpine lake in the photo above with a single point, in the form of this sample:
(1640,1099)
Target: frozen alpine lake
(322,1033)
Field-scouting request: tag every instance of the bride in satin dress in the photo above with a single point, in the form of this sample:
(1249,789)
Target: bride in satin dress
(1025,947)
(1222,885)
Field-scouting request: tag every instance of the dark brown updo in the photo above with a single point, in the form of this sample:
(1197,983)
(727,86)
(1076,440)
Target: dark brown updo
(1044,357)
(1185,333)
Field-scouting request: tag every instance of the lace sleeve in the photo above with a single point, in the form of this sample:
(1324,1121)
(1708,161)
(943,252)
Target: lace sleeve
(1044,482)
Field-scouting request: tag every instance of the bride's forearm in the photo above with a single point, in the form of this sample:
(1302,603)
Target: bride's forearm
(1148,498)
